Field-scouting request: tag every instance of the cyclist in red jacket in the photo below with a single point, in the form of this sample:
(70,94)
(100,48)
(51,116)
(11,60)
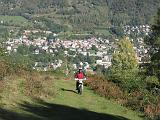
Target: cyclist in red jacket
(79,76)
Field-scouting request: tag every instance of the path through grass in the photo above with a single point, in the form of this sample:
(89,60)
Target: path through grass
(65,105)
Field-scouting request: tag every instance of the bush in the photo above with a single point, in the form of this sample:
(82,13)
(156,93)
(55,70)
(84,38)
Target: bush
(145,102)
(135,101)
(38,86)
(33,86)
(104,88)
(152,81)
(134,84)
(152,111)
(137,98)
(4,68)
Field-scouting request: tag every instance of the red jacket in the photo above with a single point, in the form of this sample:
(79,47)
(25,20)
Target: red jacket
(80,75)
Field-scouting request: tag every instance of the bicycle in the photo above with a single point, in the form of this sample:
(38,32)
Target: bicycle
(80,86)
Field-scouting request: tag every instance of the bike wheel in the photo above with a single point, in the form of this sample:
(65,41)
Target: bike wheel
(80,90)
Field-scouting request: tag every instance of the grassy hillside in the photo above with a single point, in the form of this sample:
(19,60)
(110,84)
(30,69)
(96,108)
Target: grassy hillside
(57,100)
(14,21)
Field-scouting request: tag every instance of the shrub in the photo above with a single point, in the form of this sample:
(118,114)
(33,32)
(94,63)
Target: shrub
(33,86)
(152,81)
(135,101)
(38,86)
(137,98)
(47,78)
(104,88)
(134,84)
(152,111)
(4,68)
(144,102)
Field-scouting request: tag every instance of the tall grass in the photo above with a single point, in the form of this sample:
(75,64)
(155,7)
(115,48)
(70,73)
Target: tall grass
(40,86)
(4,68)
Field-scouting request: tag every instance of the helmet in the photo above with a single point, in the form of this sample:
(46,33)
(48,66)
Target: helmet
(81,63)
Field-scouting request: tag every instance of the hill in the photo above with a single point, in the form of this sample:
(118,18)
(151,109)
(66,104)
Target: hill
(79,15)
(65,103)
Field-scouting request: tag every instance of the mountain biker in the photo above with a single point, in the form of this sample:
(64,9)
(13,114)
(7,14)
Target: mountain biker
(79,76)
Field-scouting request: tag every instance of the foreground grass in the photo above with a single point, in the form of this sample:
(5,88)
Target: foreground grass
(66,104)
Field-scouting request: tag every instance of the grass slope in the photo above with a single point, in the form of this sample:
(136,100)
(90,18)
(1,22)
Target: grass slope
(14,20)
(65,105)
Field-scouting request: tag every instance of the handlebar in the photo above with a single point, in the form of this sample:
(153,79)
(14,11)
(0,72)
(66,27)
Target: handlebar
(80,79)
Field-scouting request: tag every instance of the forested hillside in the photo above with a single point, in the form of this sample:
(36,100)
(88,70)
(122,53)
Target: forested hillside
(83,14)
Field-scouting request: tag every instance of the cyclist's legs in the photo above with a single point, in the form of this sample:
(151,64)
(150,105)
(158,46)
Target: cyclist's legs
(77,83)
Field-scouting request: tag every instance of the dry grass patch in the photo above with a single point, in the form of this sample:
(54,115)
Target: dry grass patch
(39,86)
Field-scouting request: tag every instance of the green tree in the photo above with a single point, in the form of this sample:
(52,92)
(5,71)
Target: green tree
(2,52)
(124,67)
(23,49)
(154,42)
(19,61)
(94,48)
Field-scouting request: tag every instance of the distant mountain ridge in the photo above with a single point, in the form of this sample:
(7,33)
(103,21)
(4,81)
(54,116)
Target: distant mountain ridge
(84,14)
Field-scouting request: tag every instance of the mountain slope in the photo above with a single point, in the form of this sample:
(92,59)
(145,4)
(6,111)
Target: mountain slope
(83,14)
(65,104)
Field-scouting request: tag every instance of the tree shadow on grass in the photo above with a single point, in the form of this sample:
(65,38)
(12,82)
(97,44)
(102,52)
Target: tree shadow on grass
(49,111)
(11,115)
